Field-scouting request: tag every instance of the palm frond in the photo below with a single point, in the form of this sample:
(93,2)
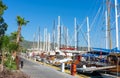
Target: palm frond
(21,21)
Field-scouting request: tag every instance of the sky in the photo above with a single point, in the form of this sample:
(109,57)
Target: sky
(42,13)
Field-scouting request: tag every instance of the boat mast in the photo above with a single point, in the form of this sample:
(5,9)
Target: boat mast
(38,38)
(46,40)
(34,42)
(49,42)
(75,33)
(117,42)
(62,35)
(88,33)
(59,33)
(116,20)
(41,44)
(108,23)
(53,34)
(67,38)
(106,30)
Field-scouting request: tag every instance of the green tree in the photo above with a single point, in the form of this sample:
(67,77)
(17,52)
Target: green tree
(8,47)
(3,25)
(13,37)
(10,62)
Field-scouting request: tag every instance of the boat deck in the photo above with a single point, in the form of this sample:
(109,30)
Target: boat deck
(94,68)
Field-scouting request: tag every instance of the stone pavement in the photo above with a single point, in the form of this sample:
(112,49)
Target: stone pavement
(35,70)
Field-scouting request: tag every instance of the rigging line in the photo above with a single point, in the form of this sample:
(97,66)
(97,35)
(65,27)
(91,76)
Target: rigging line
(101,21)
(97,34)
(83,33)
(71,40)
(98,13)
(83,36)
(78,29)
(112,15)
(97,22)
(97,37)
(113,28)
(62,31)
(113,21)
(63,35)
(91,9)
(95,17)
(80,26)
(103,15)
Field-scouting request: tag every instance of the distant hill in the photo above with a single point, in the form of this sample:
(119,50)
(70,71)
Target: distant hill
(29,44)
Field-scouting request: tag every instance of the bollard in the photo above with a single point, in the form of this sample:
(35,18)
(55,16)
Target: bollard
(73,69)
(62,67)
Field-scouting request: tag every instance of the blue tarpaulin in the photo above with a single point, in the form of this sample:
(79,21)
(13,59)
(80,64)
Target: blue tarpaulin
(90,55)
(107,50)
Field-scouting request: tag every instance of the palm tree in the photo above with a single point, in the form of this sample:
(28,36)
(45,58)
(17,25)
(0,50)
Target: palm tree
(21,22)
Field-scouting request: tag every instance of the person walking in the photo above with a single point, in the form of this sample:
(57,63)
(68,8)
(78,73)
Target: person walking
(21,64)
